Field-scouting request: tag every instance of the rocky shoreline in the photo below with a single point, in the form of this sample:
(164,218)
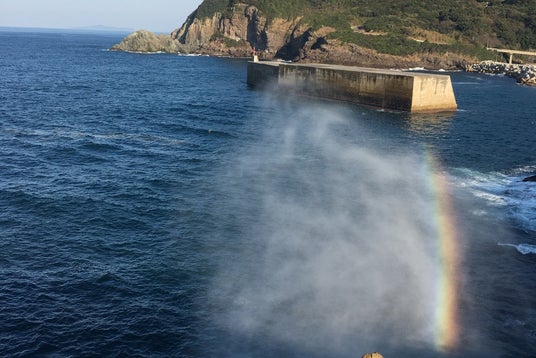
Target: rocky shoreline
(310,50)
(524,74)
(329,52)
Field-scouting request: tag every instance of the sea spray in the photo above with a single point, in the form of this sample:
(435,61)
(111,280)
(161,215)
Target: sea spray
(339,253)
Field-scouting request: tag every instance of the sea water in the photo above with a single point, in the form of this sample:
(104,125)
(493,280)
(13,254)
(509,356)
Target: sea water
(154,205)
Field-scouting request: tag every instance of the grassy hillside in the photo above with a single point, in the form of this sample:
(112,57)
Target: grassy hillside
(408,26)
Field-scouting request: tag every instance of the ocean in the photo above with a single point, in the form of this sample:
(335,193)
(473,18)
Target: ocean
(155,206)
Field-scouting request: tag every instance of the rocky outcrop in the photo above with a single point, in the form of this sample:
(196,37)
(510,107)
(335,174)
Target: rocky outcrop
(239,31)
(525,74)
(335,52)
(147,42)
(530,179)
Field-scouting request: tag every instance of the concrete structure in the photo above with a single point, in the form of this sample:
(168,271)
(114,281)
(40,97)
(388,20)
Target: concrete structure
(512,52)
(390,89)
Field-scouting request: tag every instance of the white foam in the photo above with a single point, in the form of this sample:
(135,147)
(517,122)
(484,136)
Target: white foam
(515,199)
(524,249)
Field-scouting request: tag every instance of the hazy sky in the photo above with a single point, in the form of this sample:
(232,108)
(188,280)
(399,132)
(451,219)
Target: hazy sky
(154,15)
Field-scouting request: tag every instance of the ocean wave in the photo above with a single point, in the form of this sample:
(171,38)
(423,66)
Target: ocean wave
(524,249)
(110,140)
(515,199)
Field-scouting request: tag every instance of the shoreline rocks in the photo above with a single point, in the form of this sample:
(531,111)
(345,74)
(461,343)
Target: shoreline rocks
(524,74)
(310,50)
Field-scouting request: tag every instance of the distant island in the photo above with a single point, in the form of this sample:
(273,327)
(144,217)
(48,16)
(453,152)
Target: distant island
(372,33)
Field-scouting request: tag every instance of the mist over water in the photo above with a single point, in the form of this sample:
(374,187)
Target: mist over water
(340,251)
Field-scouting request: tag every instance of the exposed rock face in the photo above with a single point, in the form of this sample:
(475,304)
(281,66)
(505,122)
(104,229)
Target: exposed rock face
(196,32)
(146,41)
(334,52)
(244,27)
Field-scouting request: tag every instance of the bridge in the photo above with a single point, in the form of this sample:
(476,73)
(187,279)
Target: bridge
(512,52)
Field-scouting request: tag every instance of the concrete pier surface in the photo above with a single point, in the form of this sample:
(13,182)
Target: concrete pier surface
(389,89)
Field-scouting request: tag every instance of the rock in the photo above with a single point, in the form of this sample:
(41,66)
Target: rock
(239,31)
(531,179)
(525,74)
(148,42)
(372,355)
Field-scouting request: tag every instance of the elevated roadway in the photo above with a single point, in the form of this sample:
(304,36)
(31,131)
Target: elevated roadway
(512,52)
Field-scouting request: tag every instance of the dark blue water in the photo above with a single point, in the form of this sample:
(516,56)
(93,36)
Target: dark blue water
(154,205)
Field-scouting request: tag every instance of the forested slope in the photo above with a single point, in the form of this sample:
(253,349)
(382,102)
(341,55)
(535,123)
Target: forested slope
(462,23)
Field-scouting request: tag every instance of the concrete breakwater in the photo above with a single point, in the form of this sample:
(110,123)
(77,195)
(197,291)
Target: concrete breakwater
(390,89)
(525,74)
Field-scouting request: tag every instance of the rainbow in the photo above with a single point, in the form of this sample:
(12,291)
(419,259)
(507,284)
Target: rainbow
(446,320)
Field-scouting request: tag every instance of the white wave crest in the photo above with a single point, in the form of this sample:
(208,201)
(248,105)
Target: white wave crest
(515,199)
(524,249)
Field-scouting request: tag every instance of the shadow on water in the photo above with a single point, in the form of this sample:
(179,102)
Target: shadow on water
(429,123)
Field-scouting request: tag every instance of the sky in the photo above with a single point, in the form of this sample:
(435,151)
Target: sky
(153,15)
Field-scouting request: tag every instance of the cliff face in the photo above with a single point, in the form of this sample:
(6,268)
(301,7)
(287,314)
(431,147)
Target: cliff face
(234,34)
(240,30)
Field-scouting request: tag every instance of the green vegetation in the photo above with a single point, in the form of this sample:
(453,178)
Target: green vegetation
(408,26)
(227,41)
(209,7)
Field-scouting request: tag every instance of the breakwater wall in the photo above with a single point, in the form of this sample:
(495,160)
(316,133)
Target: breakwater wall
(525,74)
(390,89)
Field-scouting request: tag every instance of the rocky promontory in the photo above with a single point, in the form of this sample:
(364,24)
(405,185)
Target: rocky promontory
(524,74)
(147,42)
(244,27)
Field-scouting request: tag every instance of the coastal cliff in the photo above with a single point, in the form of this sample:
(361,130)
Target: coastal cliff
(334,32)
(242,27)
